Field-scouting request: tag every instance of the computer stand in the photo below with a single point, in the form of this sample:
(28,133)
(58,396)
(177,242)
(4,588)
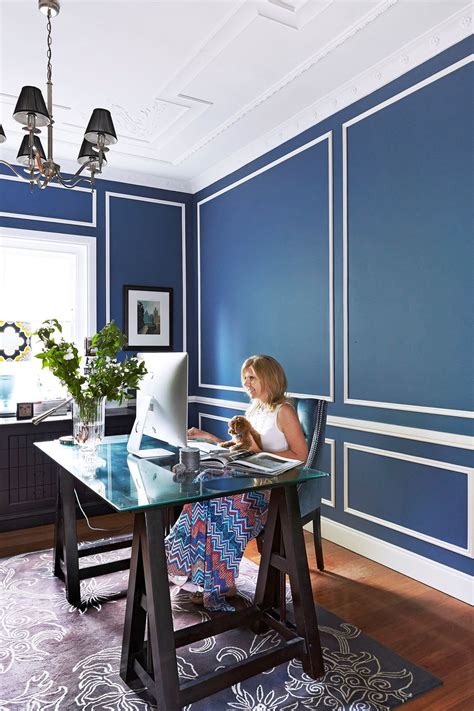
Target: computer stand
(135,439)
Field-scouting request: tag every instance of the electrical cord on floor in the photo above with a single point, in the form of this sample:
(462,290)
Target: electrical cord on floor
(94,528)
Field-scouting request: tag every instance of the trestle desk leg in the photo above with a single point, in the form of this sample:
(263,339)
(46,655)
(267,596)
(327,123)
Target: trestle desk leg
(149,576)
(58,530)
(300,582)
(135,615)
(267,588)
(70,554)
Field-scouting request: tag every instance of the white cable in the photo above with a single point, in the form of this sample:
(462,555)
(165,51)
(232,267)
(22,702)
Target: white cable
(93,528)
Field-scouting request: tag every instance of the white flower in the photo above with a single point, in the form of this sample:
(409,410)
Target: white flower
(69,355)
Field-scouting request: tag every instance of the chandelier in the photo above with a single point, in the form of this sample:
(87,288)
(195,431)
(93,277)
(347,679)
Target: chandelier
(33,113)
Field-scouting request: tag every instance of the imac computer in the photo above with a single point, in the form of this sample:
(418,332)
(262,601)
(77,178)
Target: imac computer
(162,403)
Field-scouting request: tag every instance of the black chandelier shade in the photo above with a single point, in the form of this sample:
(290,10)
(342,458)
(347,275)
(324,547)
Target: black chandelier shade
(31,101)
(3,138)
(23,154)
(88,152)
(100,124)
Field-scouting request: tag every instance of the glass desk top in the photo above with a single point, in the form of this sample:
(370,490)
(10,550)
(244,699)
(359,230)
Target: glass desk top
(129,483)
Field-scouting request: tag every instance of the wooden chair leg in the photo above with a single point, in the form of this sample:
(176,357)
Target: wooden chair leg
(318,546)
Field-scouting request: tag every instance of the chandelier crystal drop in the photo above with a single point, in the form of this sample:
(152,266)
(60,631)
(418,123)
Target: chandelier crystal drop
(34,113)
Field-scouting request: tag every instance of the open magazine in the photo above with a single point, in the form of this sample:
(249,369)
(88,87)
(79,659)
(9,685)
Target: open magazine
(260,462)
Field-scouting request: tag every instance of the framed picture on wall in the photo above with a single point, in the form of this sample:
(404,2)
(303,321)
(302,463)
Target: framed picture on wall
(148,318)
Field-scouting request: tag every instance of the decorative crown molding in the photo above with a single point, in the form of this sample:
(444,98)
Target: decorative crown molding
(291,76)
(418,51)
(147,122)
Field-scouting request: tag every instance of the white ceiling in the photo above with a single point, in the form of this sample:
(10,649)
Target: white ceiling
(198,88)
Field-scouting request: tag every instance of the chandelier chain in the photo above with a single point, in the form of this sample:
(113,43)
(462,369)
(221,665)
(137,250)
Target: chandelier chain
(48,54)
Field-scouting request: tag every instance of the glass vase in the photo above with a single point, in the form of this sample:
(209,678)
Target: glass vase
(88,423)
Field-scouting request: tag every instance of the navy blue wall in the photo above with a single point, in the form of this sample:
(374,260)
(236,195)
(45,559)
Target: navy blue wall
(255,238)
(403,300)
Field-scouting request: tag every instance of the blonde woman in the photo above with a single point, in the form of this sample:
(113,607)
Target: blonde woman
(208,540)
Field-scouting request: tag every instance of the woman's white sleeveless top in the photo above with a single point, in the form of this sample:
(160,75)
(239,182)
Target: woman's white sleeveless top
(265,422)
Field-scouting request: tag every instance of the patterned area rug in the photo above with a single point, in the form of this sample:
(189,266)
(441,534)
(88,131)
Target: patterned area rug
(55,658)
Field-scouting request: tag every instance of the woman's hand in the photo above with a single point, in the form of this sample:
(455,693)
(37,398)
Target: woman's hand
(195,433)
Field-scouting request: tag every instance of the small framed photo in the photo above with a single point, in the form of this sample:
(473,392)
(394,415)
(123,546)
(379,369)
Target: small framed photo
(88,349)
(148,318)
(24,410)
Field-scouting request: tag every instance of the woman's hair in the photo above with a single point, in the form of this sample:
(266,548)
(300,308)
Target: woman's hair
(272,376)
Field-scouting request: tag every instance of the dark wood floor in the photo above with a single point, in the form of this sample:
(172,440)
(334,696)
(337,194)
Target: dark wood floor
(431,629)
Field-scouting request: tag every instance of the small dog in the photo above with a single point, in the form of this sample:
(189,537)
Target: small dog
(241,429)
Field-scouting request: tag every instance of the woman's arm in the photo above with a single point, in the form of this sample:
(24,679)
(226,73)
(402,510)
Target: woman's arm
(195,433)
(289,424)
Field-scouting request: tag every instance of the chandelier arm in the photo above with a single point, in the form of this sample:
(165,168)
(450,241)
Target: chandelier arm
(79,171)
(69,186)
(14,170)
(39,161)
(44,184)
(74,180)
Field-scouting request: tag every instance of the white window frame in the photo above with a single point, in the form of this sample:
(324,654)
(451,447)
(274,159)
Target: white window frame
(53,241)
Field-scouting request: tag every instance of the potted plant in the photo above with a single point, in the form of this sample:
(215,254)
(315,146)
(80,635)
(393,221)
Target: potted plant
(91,382)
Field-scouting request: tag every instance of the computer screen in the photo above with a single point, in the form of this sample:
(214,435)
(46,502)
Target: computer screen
(162,402)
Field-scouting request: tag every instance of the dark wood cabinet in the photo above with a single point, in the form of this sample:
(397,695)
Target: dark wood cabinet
(28,478)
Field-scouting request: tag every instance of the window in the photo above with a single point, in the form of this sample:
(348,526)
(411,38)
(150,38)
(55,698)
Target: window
(44,275)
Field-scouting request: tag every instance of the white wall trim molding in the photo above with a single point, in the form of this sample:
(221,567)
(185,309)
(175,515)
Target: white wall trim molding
(332,501)
(421,49)
(59,220)
(211,417)
(347,399)
(446,439)
(436,575)
(215,402)
(125,196)
(328,502)
(64,238)
(325,137)
(468,471)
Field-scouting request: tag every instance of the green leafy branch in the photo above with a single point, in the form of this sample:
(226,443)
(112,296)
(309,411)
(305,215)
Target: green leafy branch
(104,376)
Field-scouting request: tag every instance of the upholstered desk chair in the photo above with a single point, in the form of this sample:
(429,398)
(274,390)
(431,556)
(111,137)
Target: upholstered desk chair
(312,416)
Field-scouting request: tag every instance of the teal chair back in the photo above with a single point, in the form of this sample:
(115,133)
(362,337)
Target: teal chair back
(312,415)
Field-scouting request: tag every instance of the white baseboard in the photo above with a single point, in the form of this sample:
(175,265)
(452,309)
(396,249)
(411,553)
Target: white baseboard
(436,575)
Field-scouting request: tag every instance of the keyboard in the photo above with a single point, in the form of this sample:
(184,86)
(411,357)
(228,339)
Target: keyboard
(202,446)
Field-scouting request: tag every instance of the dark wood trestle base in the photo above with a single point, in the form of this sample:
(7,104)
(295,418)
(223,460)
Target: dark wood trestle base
(150,643)
(67,552)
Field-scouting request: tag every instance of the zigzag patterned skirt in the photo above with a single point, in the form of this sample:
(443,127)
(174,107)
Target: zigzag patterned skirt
(208,540)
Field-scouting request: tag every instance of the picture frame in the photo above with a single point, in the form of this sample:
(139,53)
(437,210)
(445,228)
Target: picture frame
(148,318)
(24,410)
